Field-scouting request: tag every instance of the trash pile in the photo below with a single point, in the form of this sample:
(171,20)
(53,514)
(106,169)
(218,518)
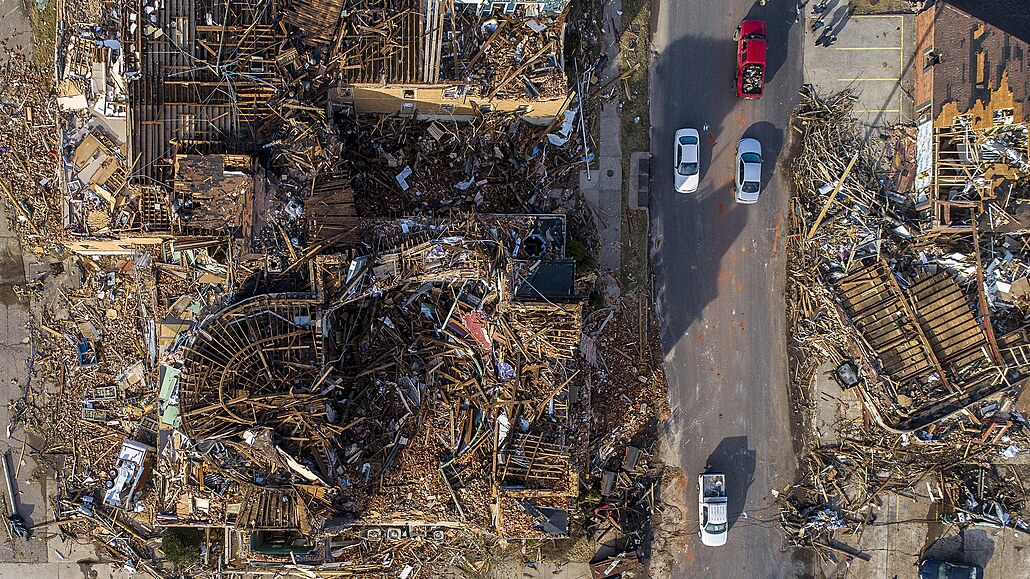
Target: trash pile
(902,286)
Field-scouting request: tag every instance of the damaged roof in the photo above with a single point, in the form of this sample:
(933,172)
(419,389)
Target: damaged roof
(981,56)
(1009,16)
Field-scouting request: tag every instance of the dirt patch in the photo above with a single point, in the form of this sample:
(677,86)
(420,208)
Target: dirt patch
(44,34)
(881,6)
(634,49)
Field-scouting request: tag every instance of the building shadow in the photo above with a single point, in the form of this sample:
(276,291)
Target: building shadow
(687,268)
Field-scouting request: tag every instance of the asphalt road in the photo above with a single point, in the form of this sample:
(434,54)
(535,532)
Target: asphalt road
(720,271)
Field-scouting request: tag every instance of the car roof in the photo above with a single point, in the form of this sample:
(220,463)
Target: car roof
(753,172)
(754,52)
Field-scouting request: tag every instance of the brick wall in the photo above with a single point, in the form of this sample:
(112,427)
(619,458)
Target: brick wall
(924,42)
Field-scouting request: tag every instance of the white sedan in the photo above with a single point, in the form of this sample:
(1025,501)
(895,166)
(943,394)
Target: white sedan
(749,171)
(688,168)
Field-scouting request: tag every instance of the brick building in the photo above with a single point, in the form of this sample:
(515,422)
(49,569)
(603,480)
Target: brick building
(972,73)
(971,57)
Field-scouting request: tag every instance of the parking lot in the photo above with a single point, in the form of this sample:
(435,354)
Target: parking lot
(872,56)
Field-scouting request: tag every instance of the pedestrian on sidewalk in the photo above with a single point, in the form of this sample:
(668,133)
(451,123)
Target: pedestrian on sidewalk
(831,39)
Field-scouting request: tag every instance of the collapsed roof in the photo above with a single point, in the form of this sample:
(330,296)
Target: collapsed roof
(407,383)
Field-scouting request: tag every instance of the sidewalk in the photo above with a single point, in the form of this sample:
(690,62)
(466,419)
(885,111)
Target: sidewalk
(603,189)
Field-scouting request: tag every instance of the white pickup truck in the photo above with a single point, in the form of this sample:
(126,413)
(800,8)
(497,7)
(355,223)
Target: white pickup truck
(711,508)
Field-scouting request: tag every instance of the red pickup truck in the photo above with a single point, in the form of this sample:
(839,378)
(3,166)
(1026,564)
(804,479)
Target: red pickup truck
(750,37)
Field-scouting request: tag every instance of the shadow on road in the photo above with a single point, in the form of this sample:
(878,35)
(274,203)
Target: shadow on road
(778,22)
(771,138)
(691,279)
(734,459)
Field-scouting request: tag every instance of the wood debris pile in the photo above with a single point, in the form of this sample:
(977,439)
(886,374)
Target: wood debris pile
(308,289)
(262,120)
(860,256)
(408,387)
(401,167)
(476,52)
(28,179)
(895,289)
(627,402)
(964,464)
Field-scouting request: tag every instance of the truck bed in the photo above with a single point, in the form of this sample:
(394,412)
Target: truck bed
(751,83)
(713,485)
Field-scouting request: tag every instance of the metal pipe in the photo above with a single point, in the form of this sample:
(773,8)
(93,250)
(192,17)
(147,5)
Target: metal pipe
(582,123)
(10,484)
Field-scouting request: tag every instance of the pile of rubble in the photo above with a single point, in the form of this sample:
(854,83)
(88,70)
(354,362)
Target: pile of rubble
(418,383)
(306,287)
(627,402)
(260,116)
(29,180)
(902,286)
(400,167)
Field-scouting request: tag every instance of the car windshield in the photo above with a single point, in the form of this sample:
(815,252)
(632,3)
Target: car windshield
(715,528)
(749,186)
(688,140)
(688,169)
(751,158)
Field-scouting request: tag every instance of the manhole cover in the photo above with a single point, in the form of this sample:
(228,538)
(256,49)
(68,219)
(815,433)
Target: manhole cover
(610,173)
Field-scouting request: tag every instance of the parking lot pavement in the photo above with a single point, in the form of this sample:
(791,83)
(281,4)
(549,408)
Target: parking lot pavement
(872,56)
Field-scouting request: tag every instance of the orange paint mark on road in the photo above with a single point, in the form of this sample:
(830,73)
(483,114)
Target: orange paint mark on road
(720,209)
(741,121)
(740,286)
(741,324)
(776,234)
(701,336)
